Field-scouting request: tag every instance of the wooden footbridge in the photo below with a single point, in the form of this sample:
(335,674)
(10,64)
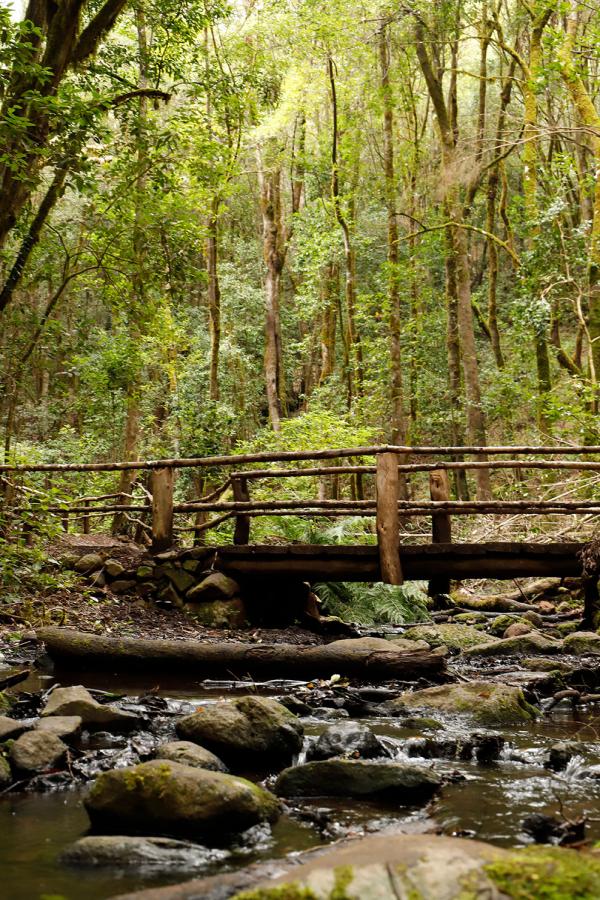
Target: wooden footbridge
(396,486)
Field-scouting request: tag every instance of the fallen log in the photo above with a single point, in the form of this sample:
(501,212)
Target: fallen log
(499,603)
(359,657)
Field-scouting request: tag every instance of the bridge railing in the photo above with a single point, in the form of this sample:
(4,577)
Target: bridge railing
(154,508)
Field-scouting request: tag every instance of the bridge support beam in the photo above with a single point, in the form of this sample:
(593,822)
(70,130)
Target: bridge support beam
(162,509)
(388,524)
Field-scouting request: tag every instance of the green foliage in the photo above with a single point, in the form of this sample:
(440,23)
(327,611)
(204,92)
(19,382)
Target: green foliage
(374,604)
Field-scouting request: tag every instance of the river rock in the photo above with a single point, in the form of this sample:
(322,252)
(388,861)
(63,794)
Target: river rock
(77,701)
(347,739)
(406,866)
(582,643)
(400,782)
(173,799)
(62,726)
(12,728)
(488,703)
(126,852)
(215,586)
(250,729)
(89,562)
(517,629)
(523,645)
(454,636)
(37,751)
(561,754)
(190,754)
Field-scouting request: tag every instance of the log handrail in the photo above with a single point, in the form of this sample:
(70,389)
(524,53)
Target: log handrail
(283,455)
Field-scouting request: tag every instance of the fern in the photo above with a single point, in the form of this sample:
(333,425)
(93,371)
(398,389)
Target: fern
(373,604)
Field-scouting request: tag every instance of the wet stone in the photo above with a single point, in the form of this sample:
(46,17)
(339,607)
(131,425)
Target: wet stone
(126,852)
(347,739)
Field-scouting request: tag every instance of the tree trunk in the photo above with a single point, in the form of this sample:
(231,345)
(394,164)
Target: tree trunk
(214,297)
(270,191)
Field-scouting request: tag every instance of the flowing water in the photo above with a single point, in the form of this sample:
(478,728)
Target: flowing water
(487,801)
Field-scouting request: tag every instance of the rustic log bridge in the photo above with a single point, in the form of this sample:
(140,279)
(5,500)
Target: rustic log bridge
(73,649)
(389,560)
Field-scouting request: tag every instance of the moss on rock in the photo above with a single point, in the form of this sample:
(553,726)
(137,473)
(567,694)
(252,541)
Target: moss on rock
(551,873)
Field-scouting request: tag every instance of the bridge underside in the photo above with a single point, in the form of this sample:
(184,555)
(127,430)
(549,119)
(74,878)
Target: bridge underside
(315,562)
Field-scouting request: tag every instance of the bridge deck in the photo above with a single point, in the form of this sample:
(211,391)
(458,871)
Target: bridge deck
(316,562)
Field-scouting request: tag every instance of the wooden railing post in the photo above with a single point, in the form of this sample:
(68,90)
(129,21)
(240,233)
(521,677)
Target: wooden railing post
(388,538)
(241,534)
(441,526)
(86,518)
(162,509)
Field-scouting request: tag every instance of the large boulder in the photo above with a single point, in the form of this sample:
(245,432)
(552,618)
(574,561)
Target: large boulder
(190,754)
(37,751)
(249,729)
(454,636)
(523,645)
(398,782)
(126,852)
(347,739)
(77,701)
(426,867)
(174,799)
(486,703)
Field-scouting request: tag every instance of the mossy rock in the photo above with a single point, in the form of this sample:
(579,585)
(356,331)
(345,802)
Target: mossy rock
(564,628)
(498,625)
(247,730)
(471,618)
(487,703)
(546,664)
(582,643)
(5,773)
(456,637)
(169,798)
(521,645)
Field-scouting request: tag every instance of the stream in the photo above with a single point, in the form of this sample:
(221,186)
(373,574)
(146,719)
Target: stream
(484,800)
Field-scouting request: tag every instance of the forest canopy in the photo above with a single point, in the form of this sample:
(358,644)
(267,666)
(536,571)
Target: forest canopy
(296,223)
